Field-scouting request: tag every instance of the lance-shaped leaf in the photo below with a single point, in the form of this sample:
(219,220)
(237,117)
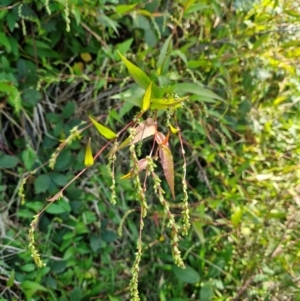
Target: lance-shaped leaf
(88,158)
(160,138)
(142,164)
(196,90)
(168,166)
(139,76)
(144,130)
(147,98)
(165,103)
(103,130)
(174,130)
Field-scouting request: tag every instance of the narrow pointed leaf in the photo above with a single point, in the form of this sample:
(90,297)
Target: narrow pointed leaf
(103,130)
(174,130)
(88,158)
(196,90)
(165,103)
(144,130)
(168,166)
(147,98)
(139,76)
(160,138)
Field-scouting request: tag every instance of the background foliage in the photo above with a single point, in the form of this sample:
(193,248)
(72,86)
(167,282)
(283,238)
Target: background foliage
(60,63)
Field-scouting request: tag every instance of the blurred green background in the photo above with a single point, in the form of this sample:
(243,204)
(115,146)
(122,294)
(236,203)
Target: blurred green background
(59,63)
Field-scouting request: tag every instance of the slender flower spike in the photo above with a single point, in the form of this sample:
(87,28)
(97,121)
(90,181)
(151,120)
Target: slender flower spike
(103,130)
(147,98)
(88,158)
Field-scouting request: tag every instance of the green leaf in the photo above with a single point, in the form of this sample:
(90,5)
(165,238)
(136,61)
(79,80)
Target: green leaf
(11,20)
(76,294)
(108,236)
(95,242)
(112,298)
(195,89)
(122,48)
(31,97)
(69,109)
(140,76)
(13,94)
(11,279)
(59,207)
(123,9)
(103,130)
(206,292)
(59,179)
(28,157)
(5,42)
(31,287)
(42,183)
(64,160)
(114,115)
(109,23)
(187,275)
(236,216)
(147,98)
(7,161)
(163,53)
(29,267)
(165,103)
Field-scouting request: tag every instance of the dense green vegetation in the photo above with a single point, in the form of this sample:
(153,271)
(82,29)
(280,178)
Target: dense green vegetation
(223,82)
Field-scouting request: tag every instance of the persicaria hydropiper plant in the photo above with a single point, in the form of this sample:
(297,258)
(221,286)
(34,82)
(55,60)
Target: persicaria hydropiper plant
(145,125)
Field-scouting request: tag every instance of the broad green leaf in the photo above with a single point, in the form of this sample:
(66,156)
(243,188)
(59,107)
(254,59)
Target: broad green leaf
(76,294)
(42,183)
(28,157)
(31,97)
(165,103)
(103,130)
(59,207)
(168,166)
(139,76)
(108,236)
(7,161)
(195,89)
(187,275)
(5,42)
(31,287)
(59,179)
(29,267)
(206,292)
(147,98)
(88,158)
(95,242)
(69,109)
